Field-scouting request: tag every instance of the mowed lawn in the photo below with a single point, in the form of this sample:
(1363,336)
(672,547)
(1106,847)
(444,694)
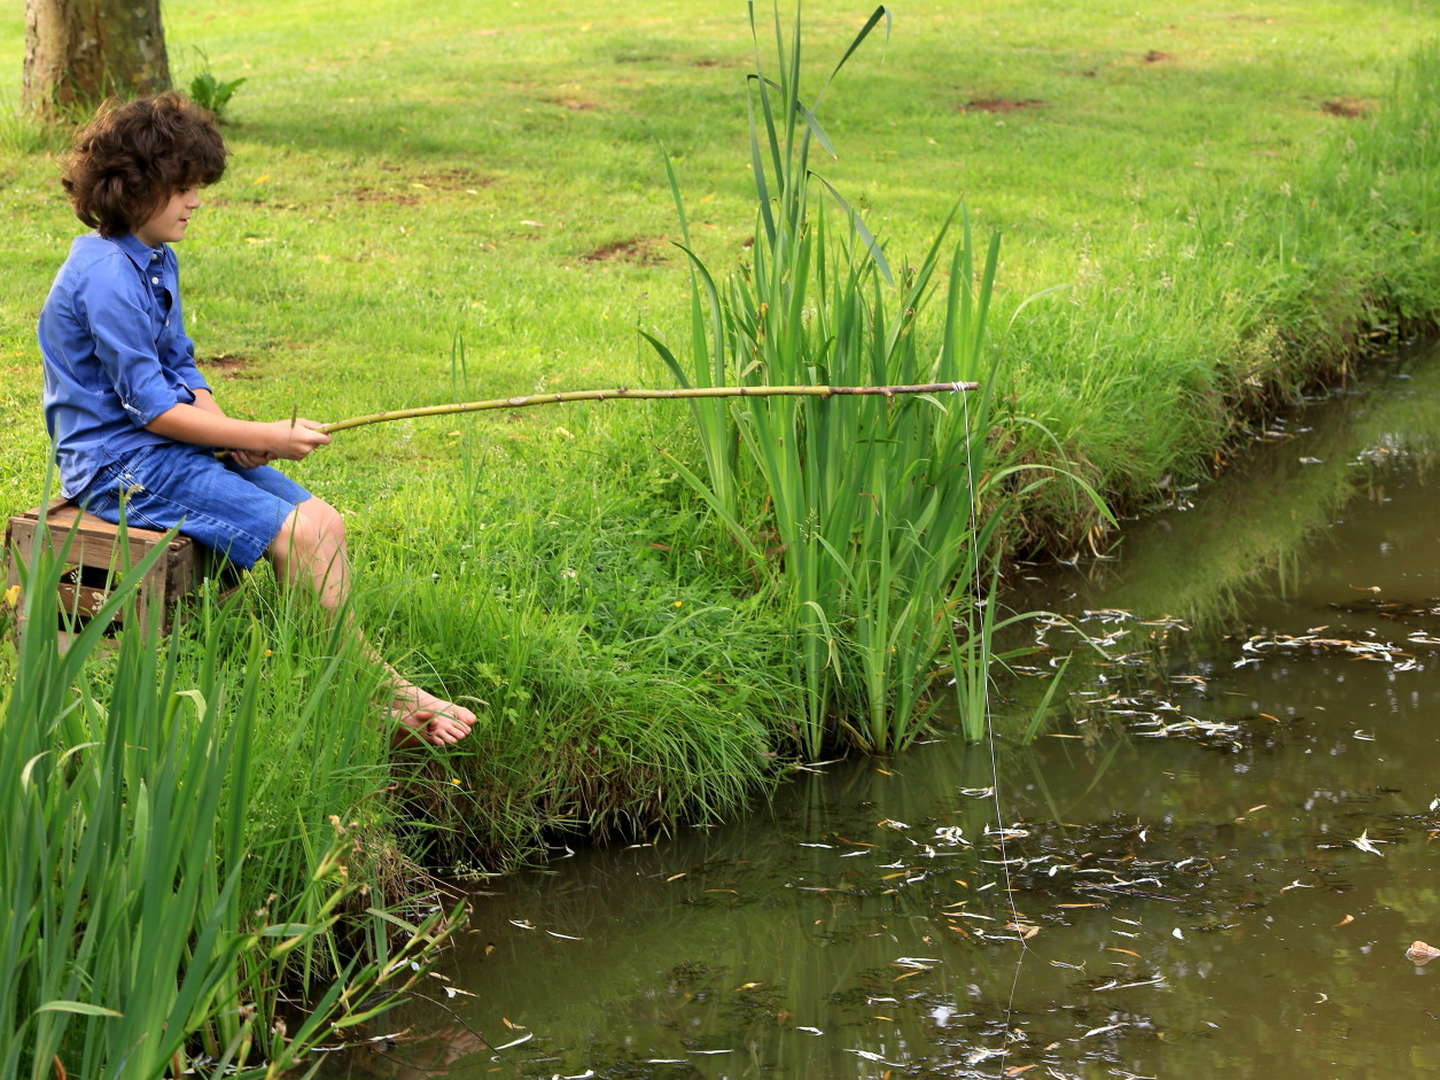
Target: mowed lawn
(406,176)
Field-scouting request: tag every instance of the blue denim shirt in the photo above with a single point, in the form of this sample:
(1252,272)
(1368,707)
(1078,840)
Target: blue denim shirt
(115,351)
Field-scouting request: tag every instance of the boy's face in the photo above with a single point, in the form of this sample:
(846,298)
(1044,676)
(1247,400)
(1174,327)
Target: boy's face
(167,224)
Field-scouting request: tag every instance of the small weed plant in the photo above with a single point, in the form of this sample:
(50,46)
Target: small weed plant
(213,93)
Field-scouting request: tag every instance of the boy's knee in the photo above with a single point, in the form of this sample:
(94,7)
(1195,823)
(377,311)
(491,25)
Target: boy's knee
(311,526)
(323,519)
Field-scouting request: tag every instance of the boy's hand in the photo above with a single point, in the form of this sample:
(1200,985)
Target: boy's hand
(294,439)
(251,459)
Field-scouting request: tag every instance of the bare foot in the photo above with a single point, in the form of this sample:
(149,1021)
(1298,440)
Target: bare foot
(433,719)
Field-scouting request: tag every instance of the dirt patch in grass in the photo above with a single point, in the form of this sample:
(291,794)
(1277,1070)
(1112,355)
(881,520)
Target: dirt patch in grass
(641,250)
(1155,56)
(575,104)
(1347,107)
(1000,104)
(409,189)
(229,365)
(379,195)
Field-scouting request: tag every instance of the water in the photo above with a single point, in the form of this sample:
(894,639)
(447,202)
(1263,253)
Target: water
(1218,853)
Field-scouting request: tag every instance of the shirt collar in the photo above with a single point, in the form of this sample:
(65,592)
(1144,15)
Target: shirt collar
(142,256)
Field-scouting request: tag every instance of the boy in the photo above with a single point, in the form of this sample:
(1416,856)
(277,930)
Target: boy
(131,418)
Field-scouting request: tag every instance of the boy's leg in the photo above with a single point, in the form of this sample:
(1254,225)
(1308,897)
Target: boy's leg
(310,550)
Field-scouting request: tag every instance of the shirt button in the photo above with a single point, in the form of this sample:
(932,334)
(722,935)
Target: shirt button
(154,281)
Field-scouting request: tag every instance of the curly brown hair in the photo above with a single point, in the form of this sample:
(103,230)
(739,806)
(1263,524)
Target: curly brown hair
(133,156)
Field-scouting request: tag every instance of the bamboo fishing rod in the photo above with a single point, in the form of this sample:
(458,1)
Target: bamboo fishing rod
(628,393)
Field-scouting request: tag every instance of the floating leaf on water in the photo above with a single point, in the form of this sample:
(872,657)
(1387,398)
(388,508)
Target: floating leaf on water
(914,961)
(1346,921)
(810,1030)
(1420,954)
(523,924)
(515,1042)
(868,1056)
(1364,843)
(563,937)
(1103,1030)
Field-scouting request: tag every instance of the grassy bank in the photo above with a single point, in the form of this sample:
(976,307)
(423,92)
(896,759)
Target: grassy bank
(475,203)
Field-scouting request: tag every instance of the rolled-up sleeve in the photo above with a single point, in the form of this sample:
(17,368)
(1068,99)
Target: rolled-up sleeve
(114,307)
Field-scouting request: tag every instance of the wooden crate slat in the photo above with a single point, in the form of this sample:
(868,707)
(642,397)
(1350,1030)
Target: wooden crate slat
(94,545)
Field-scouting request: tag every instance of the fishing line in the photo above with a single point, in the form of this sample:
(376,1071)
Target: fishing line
(990,737)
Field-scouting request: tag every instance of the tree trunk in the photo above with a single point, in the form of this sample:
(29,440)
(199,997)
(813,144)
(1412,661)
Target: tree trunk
(79,52)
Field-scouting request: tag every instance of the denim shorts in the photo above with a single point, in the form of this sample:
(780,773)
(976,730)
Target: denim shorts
(234,511)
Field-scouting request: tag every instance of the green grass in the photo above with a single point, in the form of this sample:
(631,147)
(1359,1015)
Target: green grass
(401,183)
(380,183)
(156,912)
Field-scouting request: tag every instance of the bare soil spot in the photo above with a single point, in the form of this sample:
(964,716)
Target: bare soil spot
(453,178)
(1155,56)
(377,195)
(1000,105)
(640,250)
(411,188)
(575,104)
(1347,107)
(229,365)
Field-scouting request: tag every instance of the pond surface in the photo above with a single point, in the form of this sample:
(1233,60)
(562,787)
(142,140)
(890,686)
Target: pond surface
(1216,853)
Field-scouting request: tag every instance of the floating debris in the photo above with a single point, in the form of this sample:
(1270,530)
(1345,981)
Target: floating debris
(1364,843)
(1421,954)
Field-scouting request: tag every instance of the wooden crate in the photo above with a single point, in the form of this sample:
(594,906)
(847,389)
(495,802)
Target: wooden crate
(96,559)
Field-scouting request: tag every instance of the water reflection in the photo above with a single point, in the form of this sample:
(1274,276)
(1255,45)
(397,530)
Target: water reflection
(1211,865)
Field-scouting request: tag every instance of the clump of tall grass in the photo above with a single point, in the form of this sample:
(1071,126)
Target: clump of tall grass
(130,947)
(884,512)
(622,686)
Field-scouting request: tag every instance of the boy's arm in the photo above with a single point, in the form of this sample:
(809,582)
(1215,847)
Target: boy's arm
(204,427)
(206,400)
(246,459)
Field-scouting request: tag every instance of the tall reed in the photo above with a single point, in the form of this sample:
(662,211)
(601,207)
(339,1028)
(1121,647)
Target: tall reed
(127,951)
(875,504)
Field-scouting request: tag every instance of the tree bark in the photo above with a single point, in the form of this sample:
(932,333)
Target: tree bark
(79,52)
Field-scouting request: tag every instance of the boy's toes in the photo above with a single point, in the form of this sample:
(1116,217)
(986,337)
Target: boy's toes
(448,729)
(433,719)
